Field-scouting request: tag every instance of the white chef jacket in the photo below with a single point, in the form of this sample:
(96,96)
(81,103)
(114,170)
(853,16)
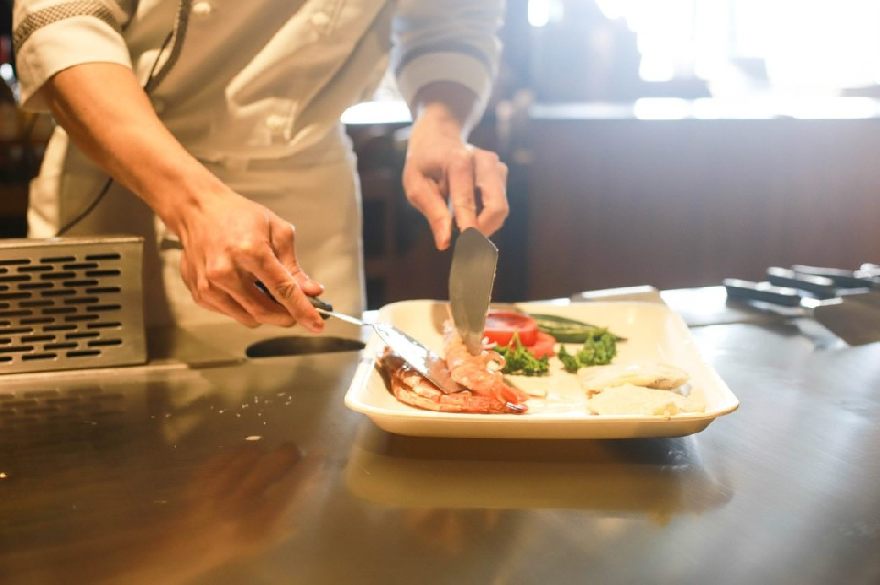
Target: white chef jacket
(254,89)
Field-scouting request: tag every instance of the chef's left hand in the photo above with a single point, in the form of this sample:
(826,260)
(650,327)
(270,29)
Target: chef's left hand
(441,166)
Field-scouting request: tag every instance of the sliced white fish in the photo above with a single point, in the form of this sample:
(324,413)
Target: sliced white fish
(638,400)
(648,375)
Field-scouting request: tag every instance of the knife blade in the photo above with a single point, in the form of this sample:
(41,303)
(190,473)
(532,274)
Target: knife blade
(471,279)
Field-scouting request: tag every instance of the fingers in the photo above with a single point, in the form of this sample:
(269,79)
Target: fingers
(223,287)
(281,284)
(491,179)
(230,274)
(219,301)
(424,194)
(283,236)
(461,189)
(214,299)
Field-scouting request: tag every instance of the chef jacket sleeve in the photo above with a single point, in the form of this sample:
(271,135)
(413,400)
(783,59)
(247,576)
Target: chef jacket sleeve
(446,40)
(52,35)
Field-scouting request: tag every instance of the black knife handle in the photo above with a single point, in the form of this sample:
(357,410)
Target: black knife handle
(841,278)
(820,287)
(315,301)
(323,305)
(747,290)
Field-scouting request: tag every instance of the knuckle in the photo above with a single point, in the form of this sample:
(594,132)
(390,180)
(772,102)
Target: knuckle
(501,210)
(286,237)
(286,290)
(286,321)
(218,273)
(414,196)
(255,308)
(202,289)
(490,156)
(462,159)
(272,317)
(243,249)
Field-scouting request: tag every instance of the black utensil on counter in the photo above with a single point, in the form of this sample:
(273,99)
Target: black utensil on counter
(855,318)
(843,279)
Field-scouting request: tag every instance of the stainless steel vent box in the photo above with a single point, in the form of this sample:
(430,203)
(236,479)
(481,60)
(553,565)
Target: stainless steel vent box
(71,303)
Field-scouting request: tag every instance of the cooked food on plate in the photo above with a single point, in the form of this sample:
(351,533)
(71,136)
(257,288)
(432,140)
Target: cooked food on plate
(517,344)
(639,388)
(648,375)
(632,399)
(475,382)
(512,330)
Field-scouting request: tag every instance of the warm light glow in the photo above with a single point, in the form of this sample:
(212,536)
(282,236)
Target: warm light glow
(796,47)
(539,13)
(381,112)
(6,73)
(661,109)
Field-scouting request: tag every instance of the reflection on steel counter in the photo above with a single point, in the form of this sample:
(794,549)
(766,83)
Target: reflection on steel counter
(784,492)
(661,477)
(293,345)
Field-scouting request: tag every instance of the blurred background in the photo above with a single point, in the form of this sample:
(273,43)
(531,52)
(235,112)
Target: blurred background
(666,143)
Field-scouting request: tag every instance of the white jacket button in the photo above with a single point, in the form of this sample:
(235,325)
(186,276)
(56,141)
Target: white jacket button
(202,9)
(320,19)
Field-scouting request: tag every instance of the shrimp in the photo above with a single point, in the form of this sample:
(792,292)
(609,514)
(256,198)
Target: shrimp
(412,388)
(480,373)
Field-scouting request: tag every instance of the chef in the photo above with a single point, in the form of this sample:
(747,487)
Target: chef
(211,128)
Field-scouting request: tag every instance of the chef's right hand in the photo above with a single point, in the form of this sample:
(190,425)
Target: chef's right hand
(229,244)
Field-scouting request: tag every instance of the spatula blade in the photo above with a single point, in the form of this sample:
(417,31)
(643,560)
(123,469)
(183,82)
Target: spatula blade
(422,359)
(471,279)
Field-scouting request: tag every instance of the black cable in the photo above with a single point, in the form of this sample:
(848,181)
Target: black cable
(106,186)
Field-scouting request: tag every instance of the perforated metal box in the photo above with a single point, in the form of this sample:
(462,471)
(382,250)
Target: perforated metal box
(71,303)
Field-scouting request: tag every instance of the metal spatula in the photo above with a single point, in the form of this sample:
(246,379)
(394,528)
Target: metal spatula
(422,359)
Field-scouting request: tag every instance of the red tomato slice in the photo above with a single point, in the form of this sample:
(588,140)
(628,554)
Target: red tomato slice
(501,325)
(545,344)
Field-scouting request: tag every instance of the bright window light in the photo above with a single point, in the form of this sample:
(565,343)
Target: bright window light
(539,12)
(6,73)
(797,47)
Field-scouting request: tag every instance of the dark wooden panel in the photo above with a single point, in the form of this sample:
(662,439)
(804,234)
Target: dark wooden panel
(688,202)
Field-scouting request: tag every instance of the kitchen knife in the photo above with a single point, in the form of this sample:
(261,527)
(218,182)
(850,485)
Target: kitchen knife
(842,278)
(855,318)
(820,287)
(470,285)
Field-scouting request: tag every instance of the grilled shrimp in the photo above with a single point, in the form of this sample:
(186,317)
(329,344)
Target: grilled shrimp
(481,373)
(412,388)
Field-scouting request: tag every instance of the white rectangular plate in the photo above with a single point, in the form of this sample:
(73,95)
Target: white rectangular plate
(654,334)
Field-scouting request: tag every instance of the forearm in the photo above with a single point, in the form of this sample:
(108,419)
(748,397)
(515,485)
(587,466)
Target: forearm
(106,113)
(450,105)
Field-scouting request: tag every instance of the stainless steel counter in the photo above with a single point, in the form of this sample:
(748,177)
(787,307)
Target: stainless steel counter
(255,472)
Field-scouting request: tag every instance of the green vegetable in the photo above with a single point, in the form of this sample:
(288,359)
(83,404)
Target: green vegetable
(567,330)
(569,362)
(597,350)
(518,360)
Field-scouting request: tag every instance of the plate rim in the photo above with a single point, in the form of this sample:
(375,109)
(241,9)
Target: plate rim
(353,397)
